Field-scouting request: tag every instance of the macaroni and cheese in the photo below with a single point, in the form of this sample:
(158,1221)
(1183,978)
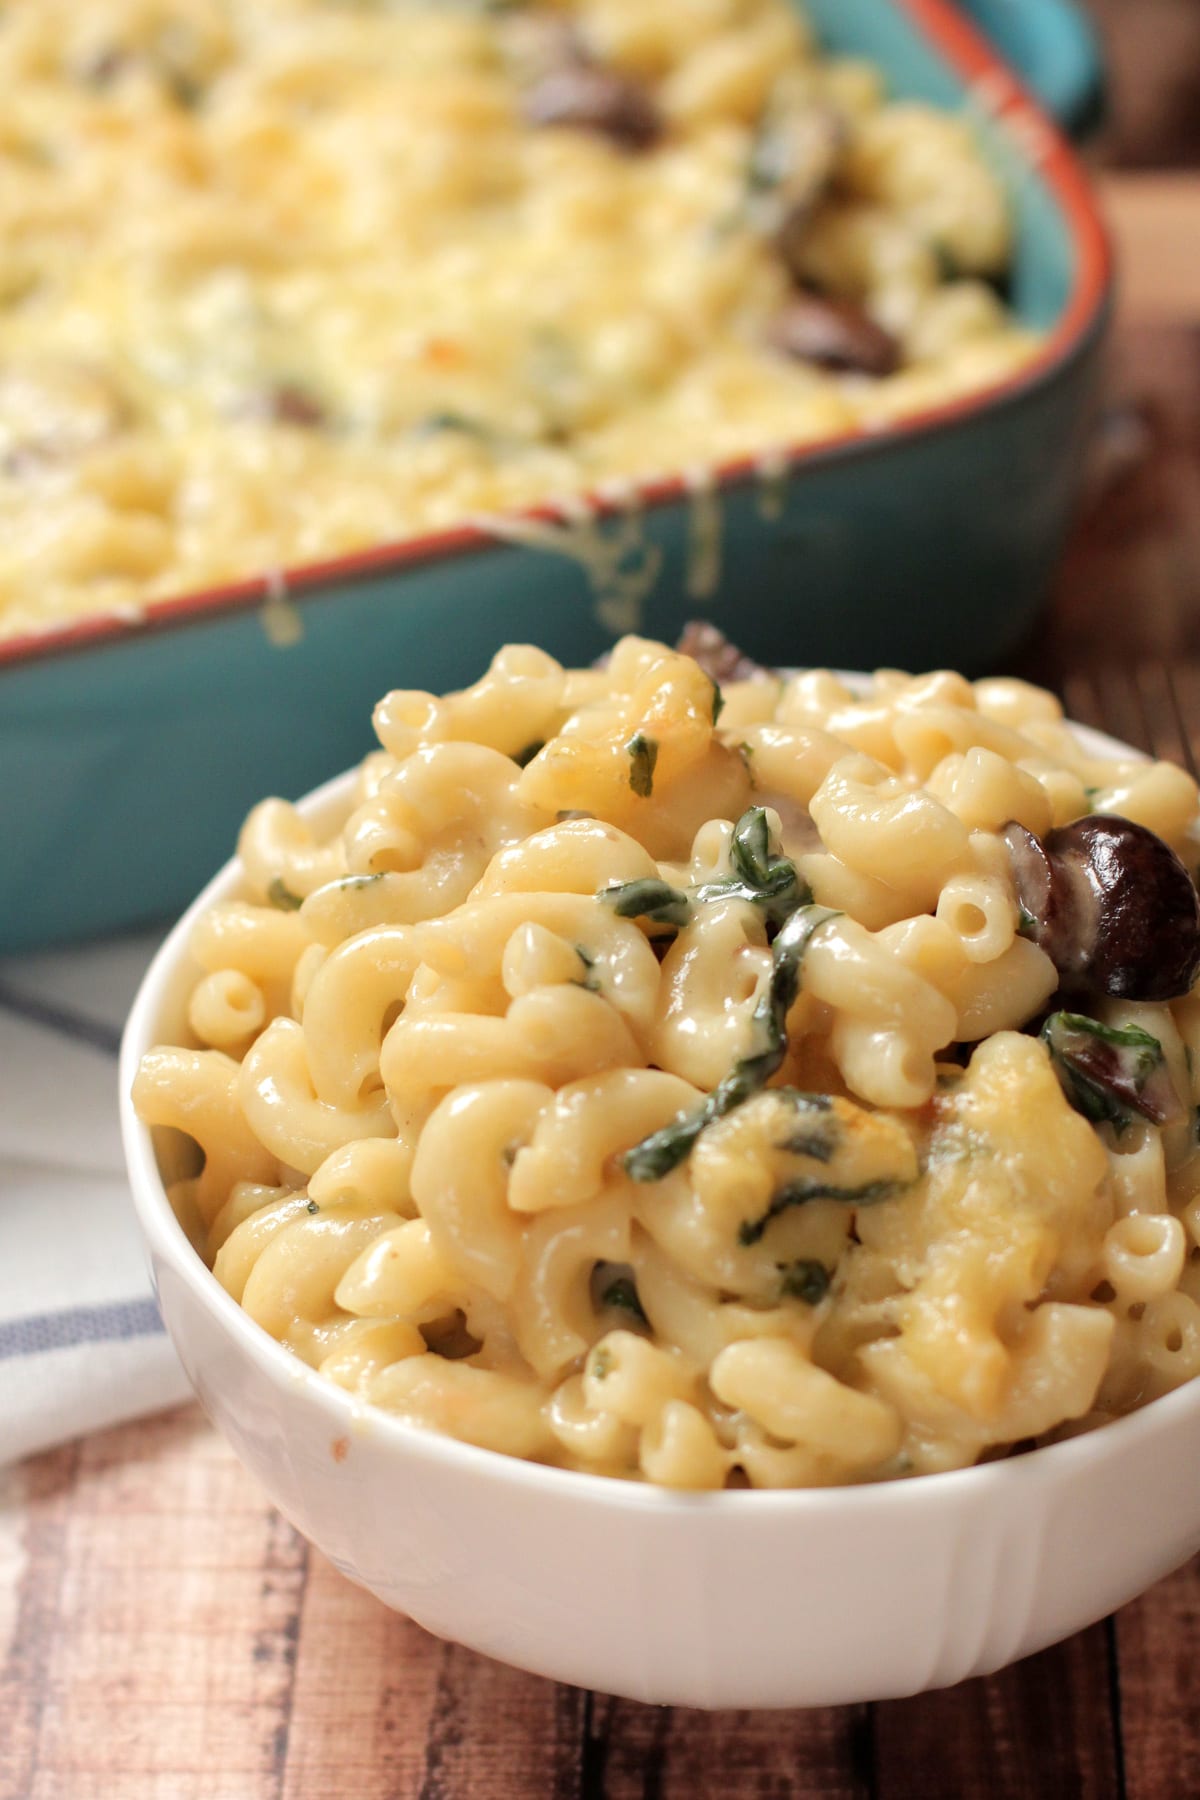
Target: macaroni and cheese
(284,280)
(780,1083)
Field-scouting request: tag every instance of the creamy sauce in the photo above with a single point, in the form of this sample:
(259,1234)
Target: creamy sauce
(620,562)
(291,279)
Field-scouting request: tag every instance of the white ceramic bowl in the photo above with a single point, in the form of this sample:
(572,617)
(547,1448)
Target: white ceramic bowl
(739,1599)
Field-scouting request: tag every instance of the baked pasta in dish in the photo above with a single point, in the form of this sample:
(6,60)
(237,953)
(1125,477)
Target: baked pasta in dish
(285,280)
(761,1081)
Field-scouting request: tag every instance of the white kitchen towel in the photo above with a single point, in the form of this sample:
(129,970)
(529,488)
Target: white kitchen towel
(81,1344)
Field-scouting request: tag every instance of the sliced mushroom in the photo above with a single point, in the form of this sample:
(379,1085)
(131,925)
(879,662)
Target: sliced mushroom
(792,164)
(589,97)
(720,659)
(834,334)
(285,403)
(1057,907)
(1111,905)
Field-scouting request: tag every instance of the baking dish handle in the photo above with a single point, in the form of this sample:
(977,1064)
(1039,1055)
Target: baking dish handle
(1054,47)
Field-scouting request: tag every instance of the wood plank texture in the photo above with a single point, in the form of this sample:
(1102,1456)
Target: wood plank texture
(35,1507)
(159,1632)
(1155,217)
(173,1639)
(1153,52)
(1041,1730)
(1157,1640)
(383,1709)
(1129,587)
(671,1753)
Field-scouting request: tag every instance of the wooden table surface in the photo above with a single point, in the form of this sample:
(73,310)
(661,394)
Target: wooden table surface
(165,1636)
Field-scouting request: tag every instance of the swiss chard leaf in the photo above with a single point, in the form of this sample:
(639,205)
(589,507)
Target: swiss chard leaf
(761,873)
(280,894)
(650,899)
(613,1287)
(664,1150)
(806,1280)
(799,1193)
(1110,1073)
(643,754)
(434,424)
(623,1295)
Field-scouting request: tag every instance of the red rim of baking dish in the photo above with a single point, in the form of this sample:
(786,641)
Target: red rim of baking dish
(991,83)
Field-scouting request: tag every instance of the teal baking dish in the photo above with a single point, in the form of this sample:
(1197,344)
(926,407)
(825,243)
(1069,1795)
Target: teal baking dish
(130,749)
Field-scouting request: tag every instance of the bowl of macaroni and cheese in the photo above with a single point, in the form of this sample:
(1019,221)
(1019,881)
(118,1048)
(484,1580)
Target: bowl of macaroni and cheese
(325,325)
(684,1179)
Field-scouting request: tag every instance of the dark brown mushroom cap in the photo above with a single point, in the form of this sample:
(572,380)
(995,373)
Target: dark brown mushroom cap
(1111,905)
(284,403)
(792,165)
(1052,909)
(590,97)
(834,334)
(720,659)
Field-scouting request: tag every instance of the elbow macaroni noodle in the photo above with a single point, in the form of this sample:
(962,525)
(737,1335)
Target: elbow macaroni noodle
(279,281)
(420,1050)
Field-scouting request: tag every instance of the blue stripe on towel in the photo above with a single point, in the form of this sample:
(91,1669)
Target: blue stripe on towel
(63,1020)
(78,1325)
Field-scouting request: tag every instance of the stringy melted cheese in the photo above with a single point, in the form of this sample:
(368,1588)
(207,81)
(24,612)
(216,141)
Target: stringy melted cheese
(284,280)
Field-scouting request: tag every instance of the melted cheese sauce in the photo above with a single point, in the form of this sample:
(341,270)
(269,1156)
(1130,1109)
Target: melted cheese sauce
(282,281)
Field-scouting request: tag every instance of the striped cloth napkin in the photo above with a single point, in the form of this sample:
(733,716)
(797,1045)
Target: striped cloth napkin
(81,1344)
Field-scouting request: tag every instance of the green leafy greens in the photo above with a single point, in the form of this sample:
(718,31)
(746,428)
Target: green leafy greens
(762,874)
(806,1280)
(1110,1073)
(650,899)
(643,754)
(799,1193)
(622,1294)
(281,895)
(589,979)
(664,1150)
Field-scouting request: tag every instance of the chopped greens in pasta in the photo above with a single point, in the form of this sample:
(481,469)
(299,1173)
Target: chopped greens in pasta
(643,754)
(806,1280)
(784,1119)
(1110,1074)
(763,1056)
(654,900)
(759,873)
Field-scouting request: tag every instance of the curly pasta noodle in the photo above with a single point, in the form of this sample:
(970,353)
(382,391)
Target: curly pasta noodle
(542,1104)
